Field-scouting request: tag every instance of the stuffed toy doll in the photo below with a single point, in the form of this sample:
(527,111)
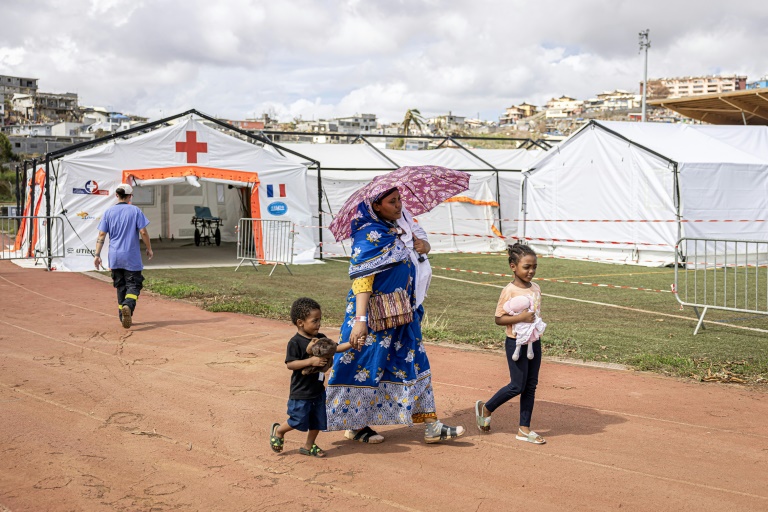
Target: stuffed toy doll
(323,348)
(527,332)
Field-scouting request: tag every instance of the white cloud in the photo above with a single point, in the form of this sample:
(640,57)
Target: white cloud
(10,58)
(321,58)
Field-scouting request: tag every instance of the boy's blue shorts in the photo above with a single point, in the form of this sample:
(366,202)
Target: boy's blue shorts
(304,415)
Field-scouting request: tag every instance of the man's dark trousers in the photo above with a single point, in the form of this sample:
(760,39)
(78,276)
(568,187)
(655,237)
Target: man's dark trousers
(129,285)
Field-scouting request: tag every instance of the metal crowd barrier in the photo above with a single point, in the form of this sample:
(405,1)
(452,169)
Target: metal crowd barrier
(31,244)
(275,247)
(730,275)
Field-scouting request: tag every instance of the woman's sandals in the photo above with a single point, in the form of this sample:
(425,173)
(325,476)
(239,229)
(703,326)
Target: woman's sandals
(276,443)
(364,435)
(483,422)
(530,437)
(437,432)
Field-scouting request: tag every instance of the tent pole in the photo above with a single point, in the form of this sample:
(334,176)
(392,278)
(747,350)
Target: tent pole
(23,187)
(677,202)
(320,209)
(523,204)
(48,209)
(498,201)
(18,196)
(31,229)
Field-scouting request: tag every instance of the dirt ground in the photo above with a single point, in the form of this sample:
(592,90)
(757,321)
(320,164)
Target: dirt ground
(174,414)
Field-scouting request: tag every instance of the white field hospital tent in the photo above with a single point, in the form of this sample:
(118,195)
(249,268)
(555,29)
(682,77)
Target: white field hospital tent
(480,219)
(627,192)
(174,169)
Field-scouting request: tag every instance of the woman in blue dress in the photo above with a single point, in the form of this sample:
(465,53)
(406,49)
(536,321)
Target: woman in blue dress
(385,378)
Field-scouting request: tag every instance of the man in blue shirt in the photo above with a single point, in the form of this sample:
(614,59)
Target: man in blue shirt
(124,223)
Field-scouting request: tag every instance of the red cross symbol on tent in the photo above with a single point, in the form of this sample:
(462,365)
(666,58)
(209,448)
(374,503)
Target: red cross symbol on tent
(191,147)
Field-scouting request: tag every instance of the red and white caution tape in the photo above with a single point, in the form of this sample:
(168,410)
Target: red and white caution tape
(565,240)
(592,259)
(600,285)
(631,221)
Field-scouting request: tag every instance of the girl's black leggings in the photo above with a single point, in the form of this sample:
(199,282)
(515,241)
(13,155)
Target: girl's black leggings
(524,376)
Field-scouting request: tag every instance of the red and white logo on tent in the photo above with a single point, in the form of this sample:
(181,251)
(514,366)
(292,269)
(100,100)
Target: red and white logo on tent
(91,188)
(191,147)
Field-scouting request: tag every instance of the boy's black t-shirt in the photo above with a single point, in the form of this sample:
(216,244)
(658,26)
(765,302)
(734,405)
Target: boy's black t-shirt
(303,387)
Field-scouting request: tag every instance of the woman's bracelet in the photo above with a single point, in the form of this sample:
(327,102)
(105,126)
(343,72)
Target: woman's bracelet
(361,318)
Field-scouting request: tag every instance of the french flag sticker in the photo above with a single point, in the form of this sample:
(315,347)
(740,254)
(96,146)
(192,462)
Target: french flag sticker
(280,190)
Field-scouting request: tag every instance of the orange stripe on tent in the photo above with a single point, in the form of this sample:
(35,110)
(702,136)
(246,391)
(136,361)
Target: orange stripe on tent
(160,173)
(39,182)
(191,170)
(496,231)
(258,238)
(465,199)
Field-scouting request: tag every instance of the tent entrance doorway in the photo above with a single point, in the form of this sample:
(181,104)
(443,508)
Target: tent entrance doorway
(183,253)
(192,204)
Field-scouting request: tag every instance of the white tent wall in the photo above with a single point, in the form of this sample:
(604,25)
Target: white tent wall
(601,177)
(337,187)
(465,226)
(725,192)
(448,218)
(509,204)
(345,168)
(87,180)
(620,182)
(750,139)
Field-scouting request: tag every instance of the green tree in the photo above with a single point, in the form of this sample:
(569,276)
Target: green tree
(7,176)
(6,150)
(412,117)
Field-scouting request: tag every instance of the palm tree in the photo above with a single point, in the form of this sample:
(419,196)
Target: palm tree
(412,117)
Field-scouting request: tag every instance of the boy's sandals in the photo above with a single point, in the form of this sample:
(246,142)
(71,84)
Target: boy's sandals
(530,437)
(315,451)
(276,443)
(483,422)
(364,435)
(446,433)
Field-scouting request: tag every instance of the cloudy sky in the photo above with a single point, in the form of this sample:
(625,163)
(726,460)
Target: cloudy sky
(325,58)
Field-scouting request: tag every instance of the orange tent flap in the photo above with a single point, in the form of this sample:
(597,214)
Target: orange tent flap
(465,199)
(191,170)
(258,236)
(29,209)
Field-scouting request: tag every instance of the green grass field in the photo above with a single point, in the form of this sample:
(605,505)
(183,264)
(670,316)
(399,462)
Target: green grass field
(647,330)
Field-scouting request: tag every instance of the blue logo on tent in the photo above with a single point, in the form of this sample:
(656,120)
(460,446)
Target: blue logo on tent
(277,208)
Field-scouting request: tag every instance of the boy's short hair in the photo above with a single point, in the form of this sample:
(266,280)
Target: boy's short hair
(301,308)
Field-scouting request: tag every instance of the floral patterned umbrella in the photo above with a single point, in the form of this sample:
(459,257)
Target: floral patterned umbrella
(421,188)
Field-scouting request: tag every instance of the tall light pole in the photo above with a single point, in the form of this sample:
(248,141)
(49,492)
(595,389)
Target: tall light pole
(645,43)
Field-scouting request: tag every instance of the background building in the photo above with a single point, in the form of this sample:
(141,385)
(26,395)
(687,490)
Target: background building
(363,123)
(694,85)
(564,106)
(515,113)
(447,123)
(10,85)
(759,84)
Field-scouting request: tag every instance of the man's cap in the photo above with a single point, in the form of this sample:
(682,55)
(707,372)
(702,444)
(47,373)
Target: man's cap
(126,188)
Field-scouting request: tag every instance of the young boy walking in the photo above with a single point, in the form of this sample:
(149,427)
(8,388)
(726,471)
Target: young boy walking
(306,403)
